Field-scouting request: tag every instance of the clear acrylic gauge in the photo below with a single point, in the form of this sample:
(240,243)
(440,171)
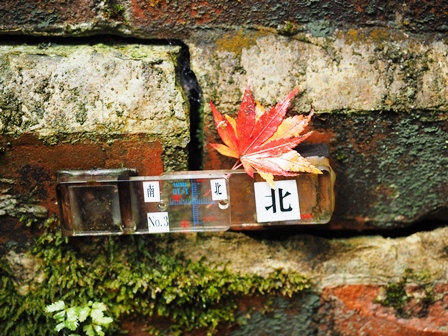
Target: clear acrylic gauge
(183,202)
(117,201)
(97,202)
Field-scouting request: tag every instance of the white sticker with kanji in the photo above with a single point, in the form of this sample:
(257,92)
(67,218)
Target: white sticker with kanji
(218,189)
(279,204)
(151,191)
(158,222)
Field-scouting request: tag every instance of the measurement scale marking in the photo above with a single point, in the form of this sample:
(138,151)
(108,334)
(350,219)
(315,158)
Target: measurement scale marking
(184,196)
(200,201)
(195,206)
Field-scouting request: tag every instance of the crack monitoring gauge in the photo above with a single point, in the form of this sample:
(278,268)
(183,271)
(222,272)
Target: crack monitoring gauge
(117,201)
(185,202)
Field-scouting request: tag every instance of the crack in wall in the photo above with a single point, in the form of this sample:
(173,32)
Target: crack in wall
(283,233)
(193,92)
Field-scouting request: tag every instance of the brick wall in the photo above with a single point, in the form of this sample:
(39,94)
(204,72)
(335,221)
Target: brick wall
(90,84)
(375,75)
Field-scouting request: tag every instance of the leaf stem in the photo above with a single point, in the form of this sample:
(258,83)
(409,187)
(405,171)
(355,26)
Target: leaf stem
(237,165)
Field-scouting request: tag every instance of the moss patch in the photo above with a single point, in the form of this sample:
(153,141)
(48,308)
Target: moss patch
(374,34)
(406,299)
(133,276)
(114,12)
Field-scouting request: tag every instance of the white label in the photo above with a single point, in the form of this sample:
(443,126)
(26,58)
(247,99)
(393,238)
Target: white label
(279,204)
(151,191)
(158,222)
(219,189)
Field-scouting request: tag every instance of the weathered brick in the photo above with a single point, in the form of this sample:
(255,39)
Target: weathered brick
(331,262)
(28,168)
(174,19)
(47,16)
(380,100)
(101,89)
(319,16)
(351,310)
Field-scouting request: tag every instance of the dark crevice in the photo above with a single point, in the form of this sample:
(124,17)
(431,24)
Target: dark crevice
(283,233)
(193,92)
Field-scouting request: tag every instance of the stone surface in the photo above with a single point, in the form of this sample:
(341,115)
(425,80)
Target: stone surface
(368,70)
(26,269)
(330,262)
(380,101)
(102,89)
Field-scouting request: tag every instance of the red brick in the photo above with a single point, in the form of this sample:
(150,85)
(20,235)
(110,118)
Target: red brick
(42,15)
(175,18)
(33,164)
(351,310)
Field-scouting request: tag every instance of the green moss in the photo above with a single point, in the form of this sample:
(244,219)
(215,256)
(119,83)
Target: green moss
(397,296)
(81,114)
(340,156)
(289,28)
(174,158)
(135,276)
(11,116)
(114,12)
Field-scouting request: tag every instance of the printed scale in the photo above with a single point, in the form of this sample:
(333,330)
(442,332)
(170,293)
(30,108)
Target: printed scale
(118,201)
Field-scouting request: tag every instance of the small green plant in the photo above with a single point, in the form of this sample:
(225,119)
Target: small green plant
(75,318)
(289,28)
(27,220)
(116,12)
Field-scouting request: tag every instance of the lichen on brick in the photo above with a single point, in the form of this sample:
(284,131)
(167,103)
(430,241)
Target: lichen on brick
(410,296)
(236,41)
(395,159)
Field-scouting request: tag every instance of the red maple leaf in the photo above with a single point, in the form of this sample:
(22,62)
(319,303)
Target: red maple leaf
(264,141)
